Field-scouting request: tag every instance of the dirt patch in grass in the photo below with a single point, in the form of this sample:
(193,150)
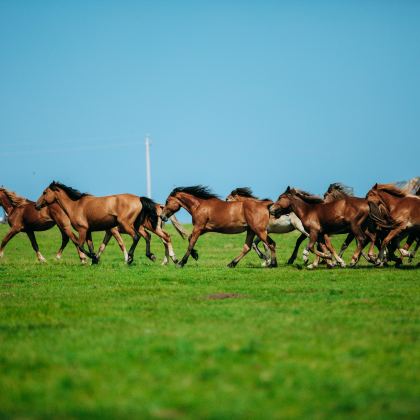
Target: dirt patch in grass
(214,296)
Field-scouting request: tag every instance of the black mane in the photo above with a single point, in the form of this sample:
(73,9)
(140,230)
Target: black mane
(199,191)
(71,192)
(243,192)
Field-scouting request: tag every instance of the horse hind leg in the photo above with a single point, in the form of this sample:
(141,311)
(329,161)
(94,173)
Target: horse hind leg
(246,248)
(299,240)
(35,247)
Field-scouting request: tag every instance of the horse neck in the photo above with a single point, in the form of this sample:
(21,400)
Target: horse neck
(389,200)
(299,207)
(68,205)
(189,202)
(6,203)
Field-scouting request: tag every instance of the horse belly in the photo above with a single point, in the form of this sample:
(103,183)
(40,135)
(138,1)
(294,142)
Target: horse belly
(280,225)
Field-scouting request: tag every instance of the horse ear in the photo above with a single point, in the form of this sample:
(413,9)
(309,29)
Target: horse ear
(288,189)
(375,187)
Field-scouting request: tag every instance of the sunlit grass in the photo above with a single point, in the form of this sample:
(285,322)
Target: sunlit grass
(150,341)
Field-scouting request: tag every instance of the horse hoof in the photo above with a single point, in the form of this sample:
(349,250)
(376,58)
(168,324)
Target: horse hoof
(273,264)
(130,260)
(310,267)
(180,264)
(58,257)
(194,254)
(95,261)
(83,262)
(152,257)
(232,264)
(290,262)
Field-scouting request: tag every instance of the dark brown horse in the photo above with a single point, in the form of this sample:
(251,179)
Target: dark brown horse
(322,219)
(395,211)
(88,213)
(211,214)
(24,217)
(339,191)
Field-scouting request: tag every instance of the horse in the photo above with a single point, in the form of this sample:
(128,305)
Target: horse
(396,211)
(159,231)
(88,213)
(284,224)
(321,220)
(24,217)
(339,191)
(211,214)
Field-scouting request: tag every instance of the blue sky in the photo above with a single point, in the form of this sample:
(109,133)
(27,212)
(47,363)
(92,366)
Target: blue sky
(233,93)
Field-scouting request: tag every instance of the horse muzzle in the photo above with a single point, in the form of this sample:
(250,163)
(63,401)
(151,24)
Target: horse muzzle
(164,218)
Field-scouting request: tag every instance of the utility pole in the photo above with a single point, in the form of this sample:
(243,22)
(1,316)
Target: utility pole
(148,172)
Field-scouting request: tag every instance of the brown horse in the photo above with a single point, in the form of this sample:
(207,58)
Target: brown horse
(322,219)
(24,217)
(211,214)
(159,231)
(339,191)
(284,224)
(88,213)
(396,211)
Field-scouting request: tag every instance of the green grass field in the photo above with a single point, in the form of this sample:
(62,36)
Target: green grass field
(113,341)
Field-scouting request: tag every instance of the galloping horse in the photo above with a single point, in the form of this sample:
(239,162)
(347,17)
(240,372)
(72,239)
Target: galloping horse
(322,219)
(339,191)
(284,224)
(159,231)
(24,217)
(211,214)
(396,211)
(88,213)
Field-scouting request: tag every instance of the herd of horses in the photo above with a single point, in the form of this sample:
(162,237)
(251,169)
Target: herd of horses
(388,215)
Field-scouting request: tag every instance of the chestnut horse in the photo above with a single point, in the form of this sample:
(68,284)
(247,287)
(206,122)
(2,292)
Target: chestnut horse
(339,191)
(88,213)
(211,214)
(284,224)
(24,217)
(322,219)
(159,231)
(396,211)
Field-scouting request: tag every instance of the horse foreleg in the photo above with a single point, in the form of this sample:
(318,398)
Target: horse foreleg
(346,244)
(64,241)
(167,242)
(190,250)
(12,232)
(35,247)
(117,236)
(331,248)
(294,255)
(386,241)
(246,248)
(89,241)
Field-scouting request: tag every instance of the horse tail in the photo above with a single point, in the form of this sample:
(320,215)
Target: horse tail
(380,215)
(179,227)
(148,211)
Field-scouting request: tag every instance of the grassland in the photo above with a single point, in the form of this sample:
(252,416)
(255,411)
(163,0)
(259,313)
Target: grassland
(113,341)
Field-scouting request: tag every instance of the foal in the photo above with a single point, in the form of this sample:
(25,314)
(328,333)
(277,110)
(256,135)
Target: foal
(88,213)
(24,217)
(210,214)
(284,224)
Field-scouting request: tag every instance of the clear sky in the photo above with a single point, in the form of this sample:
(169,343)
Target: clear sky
(233,93)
